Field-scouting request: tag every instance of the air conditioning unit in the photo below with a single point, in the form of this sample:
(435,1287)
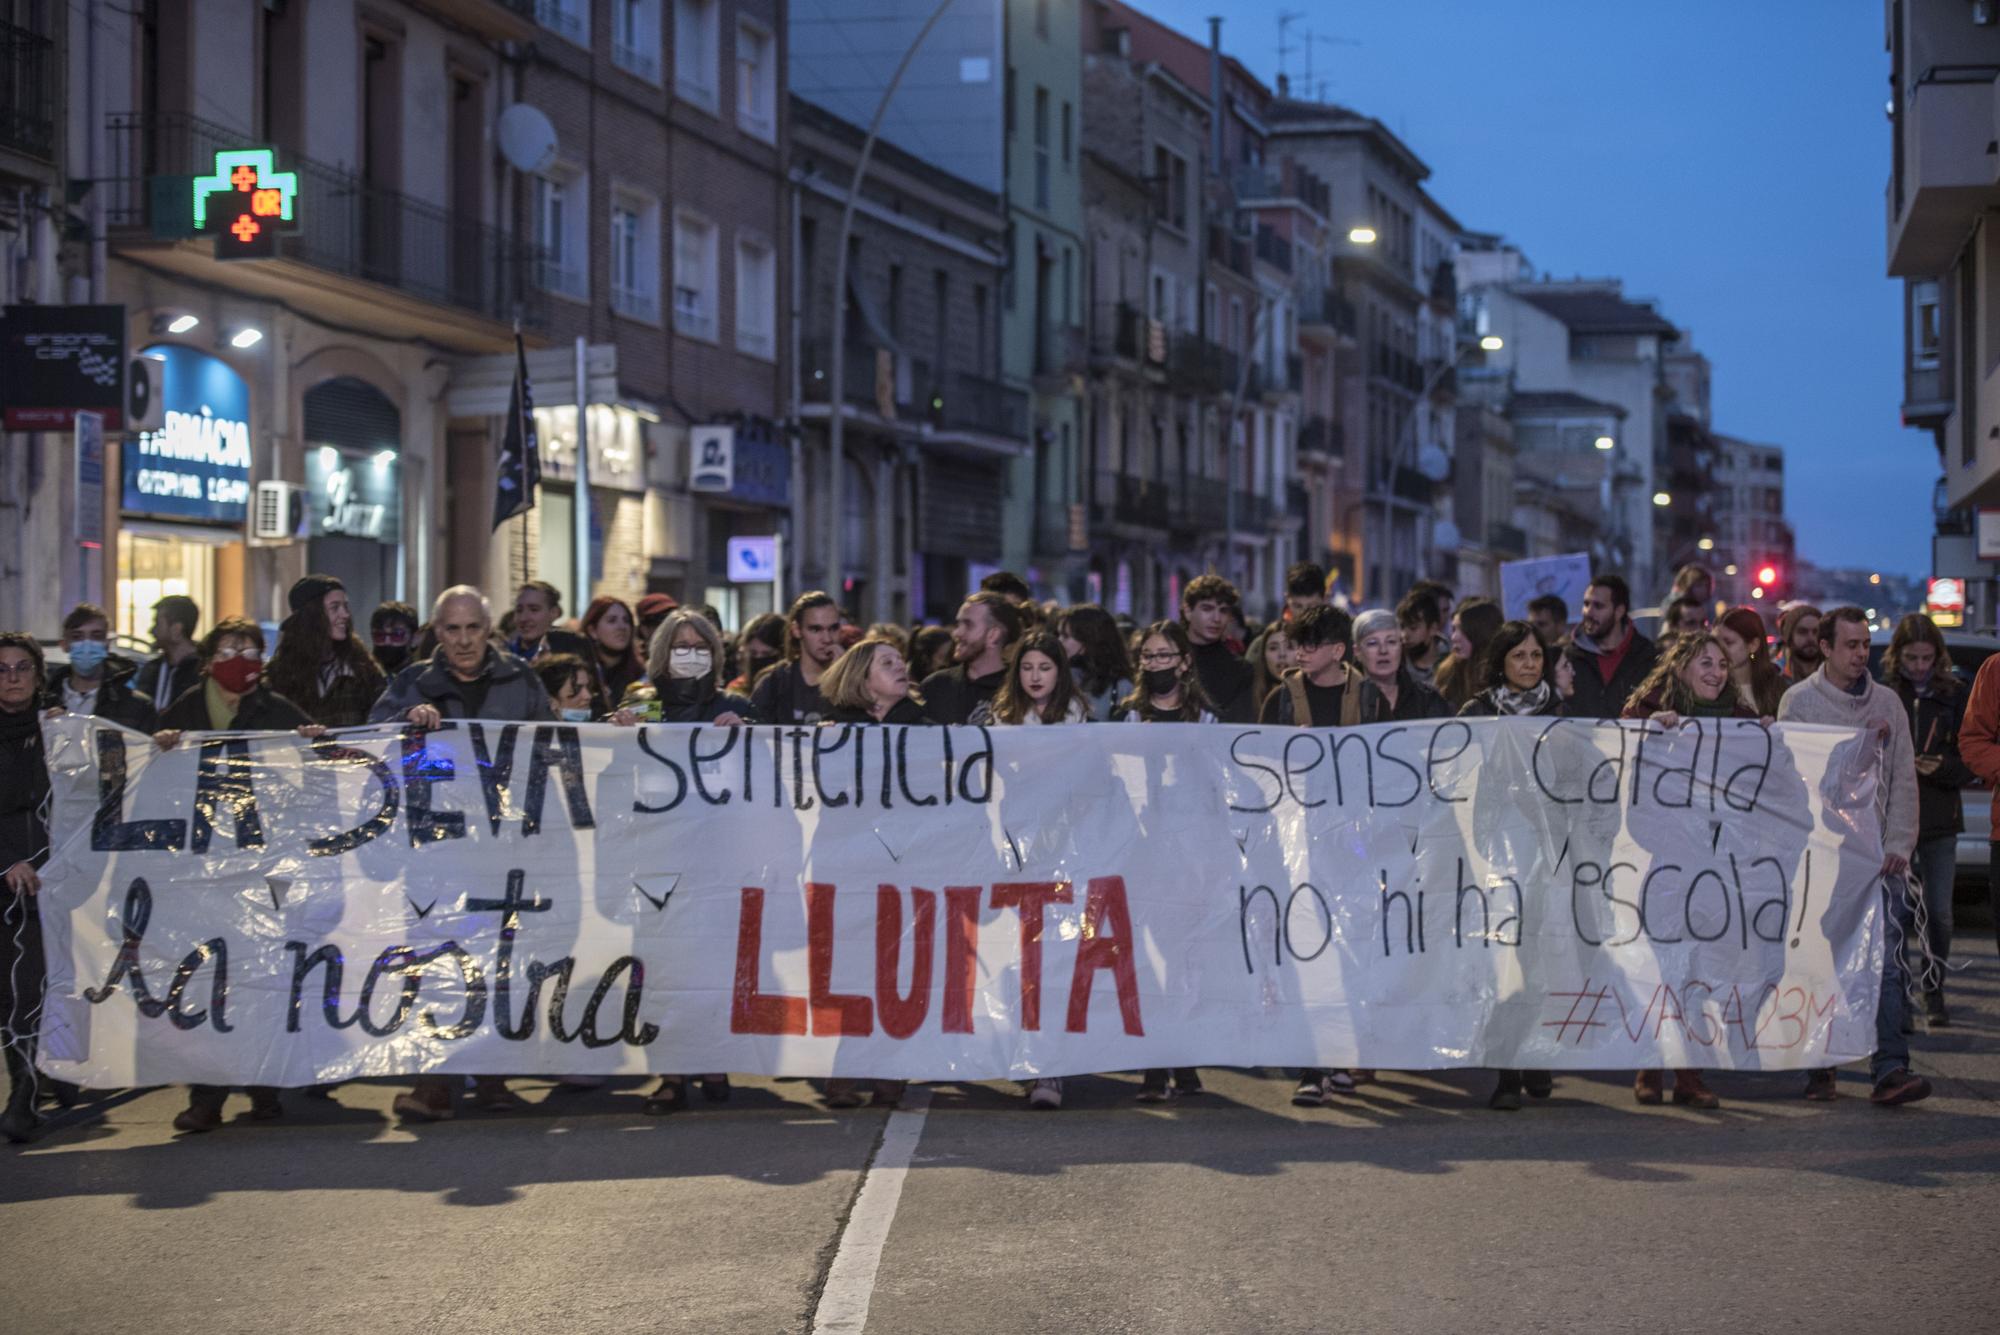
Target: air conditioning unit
(279,513)
(144,409)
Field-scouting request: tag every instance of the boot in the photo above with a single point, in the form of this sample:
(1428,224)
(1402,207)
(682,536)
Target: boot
(20,1121)
(1691,1092)
(1646,1087)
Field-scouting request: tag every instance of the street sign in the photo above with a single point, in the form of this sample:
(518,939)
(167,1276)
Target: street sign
(89,518)
(753,560)
(57,361)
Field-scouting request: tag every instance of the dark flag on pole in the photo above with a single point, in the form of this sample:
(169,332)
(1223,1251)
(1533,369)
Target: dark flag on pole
(520,469)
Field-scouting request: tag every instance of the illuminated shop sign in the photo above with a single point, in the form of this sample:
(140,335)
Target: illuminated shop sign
(245,202)
(197,465)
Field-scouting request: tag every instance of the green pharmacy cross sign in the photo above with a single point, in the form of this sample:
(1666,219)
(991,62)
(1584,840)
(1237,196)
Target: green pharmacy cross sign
(246,201)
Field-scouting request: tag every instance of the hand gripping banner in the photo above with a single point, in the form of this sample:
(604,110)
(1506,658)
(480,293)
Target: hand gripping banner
(962,903)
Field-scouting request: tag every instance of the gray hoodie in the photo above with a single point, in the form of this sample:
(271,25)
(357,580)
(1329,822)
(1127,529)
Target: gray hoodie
(1817,700)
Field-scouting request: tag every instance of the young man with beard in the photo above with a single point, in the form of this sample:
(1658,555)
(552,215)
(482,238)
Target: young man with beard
(1422,618)
(1206,606)
(177,666)
(1609,654)
(987,624)
(1798,637)
(789,692)
(1842,694)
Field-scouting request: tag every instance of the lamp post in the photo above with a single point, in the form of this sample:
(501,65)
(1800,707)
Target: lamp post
(836,472)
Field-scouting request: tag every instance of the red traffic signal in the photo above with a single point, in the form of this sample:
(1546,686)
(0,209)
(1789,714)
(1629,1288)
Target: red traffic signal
(1767,575)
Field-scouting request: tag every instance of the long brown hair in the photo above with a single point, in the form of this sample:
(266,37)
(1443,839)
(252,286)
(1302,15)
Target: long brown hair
(305,643)
(1663,687)
(1194,700)
(1917,628)
(1767,684)
(1458,679)
(599,607)
(1011,703)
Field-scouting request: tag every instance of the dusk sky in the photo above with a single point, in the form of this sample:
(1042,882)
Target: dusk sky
(1725,158)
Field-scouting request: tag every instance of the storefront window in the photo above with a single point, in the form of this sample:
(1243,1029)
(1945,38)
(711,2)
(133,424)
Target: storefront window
(152,566)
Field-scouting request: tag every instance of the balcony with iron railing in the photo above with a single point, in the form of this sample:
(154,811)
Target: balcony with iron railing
(1060,350)
(1229,250)
(1198,366)
(412,252)
(1273,249)
(1322,436)
(1325,307)
(1201,507)
(1135,501)
(29,81)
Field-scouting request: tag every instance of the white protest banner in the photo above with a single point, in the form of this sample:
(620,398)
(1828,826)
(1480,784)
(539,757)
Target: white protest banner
(957,903)
(1521,582)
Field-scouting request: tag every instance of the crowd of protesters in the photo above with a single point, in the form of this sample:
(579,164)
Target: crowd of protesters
(1009,661)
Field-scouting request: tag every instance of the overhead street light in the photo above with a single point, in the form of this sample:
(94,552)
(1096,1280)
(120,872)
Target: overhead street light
(1706,544)
(1605,443)
(1361,236)
(1662,498)
(1492,343)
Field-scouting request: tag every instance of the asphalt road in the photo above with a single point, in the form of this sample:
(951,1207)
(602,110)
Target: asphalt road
(1408,1208)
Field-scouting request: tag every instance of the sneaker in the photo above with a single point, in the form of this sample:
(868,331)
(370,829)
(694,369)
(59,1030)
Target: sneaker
(1820,1087)
(1505,1100)
(1339,1082)
(1539,1084)
(1187,1081)
(1900,1086)
(1311,1092)
(491,1093)
(1045,1094)
(265,1106)
(1934,1012)
(1154,1093)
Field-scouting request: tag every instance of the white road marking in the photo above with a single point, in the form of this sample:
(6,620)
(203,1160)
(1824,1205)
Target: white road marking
(850,1281)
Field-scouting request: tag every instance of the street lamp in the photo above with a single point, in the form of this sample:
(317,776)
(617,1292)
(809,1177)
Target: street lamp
(1361,236)
(1662,498)
(1729,569)
(1492,343)
(1605,443)
(1706,544)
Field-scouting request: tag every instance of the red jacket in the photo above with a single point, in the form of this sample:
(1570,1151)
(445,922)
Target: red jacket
(1978,744)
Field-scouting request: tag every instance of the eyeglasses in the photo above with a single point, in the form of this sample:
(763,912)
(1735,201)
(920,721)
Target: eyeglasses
(224,655)
(1159,658)
(24,668)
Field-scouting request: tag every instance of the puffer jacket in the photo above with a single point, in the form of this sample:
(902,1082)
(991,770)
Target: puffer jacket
(514,693)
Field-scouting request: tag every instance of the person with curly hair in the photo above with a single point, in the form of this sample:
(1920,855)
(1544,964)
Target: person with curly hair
(320,664)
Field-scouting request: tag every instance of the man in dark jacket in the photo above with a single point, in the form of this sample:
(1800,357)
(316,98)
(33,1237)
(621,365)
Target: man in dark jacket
(789,692)
(1609,654)
(1206,606)
(178,664)
(466,679)
(24,847)
(96,681)
(987,624)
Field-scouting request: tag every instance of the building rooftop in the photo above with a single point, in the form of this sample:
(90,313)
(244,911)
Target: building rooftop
(1595,310)
(1529,402)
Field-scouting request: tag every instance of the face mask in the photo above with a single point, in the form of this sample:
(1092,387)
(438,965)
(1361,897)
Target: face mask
(684,690)
(687,664)
(575,715)
(87,656)
(392,657)
(1161,681)
(236,675)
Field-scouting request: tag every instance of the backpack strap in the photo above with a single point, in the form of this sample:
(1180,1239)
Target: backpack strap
(1350,699)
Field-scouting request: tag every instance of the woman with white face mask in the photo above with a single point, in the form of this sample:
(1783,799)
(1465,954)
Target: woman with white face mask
(683,675)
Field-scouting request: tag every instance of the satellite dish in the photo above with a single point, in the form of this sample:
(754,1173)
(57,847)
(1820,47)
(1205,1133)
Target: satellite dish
(527,140)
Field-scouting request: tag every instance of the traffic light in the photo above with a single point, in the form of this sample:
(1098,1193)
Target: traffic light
(1767,575)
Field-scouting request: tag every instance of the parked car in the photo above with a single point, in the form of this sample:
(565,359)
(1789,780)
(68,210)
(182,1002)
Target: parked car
(1968,649)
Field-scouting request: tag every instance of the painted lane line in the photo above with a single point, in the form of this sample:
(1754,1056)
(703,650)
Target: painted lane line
(850,1280)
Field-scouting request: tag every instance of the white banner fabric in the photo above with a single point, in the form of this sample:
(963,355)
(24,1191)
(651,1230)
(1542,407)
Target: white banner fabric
(962,903)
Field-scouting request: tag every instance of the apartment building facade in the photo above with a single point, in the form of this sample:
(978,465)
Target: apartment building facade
(1944,60)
